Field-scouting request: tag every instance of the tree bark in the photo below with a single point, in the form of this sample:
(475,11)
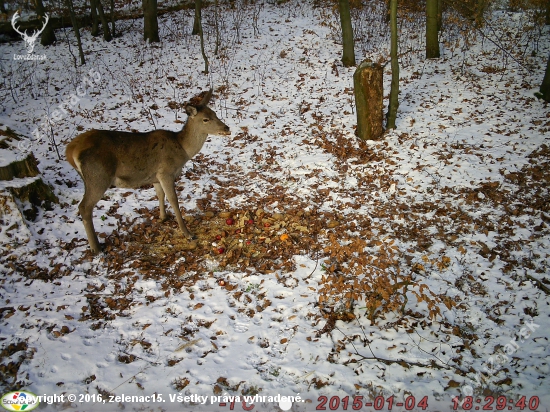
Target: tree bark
(369,96)
(95,19)
(432,41)
(348,55)
(104,23)
(439,15)
(545,86)
(217,27)
(113,31)
(394,91)
(150,22)
(198,17)
(70,6)
(35,191)
(48,35)
(198,6)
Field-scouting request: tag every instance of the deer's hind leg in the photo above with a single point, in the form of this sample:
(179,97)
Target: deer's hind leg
(97,179)
(160,195)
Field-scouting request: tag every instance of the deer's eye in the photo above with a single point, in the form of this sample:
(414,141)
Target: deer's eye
(205,120)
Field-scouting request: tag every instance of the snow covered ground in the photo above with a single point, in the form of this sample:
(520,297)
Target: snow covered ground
(455,201)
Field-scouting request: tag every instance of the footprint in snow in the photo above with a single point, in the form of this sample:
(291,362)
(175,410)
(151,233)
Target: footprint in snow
(240,327)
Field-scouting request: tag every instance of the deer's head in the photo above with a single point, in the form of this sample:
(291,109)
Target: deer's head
(205,119)
(29,40)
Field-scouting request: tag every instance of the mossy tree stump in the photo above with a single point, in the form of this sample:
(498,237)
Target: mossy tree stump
(20,178)
(369,94)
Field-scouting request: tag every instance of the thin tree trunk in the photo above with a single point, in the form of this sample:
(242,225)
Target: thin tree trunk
(432,41)
(394,91)
(348,56)
(113,31)
(198,17)
(439,15)
(48,35)
(150,22)
(95,19)
(198,5)
(70,6)
(104,22)
(216,27)
(545,86)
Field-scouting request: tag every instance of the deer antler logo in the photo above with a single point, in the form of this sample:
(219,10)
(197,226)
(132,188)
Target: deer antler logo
(30,40)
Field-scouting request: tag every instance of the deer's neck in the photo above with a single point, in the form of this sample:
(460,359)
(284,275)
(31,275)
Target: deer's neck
(191,139)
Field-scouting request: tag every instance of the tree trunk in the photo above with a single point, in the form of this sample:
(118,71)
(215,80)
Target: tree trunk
(198,17)
(70,6)
(217,27)
(198,5)
(439,15)
(348,56)
(545,86)
(104,23)
(432,41)
(48,35)
(21,179)
(394,91)
(113,31)
(95,19)
(369,97)
(150,22)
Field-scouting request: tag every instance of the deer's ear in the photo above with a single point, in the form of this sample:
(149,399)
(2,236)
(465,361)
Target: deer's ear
(191,110)
(206,99)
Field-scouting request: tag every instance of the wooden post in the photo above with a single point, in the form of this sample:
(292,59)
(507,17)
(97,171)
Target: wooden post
(369,94)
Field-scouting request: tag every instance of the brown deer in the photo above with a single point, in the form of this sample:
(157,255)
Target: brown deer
(106,158)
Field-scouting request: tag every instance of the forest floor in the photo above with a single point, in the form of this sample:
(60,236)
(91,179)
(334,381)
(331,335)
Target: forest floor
(416,266)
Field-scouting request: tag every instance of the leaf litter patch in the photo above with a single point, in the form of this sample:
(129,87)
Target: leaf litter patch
(242,240)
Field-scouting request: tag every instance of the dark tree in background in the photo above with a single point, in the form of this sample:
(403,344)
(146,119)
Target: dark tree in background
(48,35)
(70,6)
(198,22)
(432,29)
(394,91)
(545,86)
(113,31)
(348,56)
(198,17)
(97,10)
(150,22)
(94,31)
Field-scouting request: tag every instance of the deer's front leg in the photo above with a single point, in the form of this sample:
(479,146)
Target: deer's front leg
(167,183)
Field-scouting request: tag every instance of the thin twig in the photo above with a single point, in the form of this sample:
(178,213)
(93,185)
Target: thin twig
(401,362)
(539,284)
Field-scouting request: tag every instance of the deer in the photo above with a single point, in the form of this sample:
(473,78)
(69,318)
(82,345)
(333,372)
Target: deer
(106,158)
(29,40)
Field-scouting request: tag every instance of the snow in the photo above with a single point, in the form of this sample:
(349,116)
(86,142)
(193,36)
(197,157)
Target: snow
(440,186)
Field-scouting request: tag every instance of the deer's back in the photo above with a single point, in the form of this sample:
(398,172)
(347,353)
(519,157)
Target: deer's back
(132,159)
